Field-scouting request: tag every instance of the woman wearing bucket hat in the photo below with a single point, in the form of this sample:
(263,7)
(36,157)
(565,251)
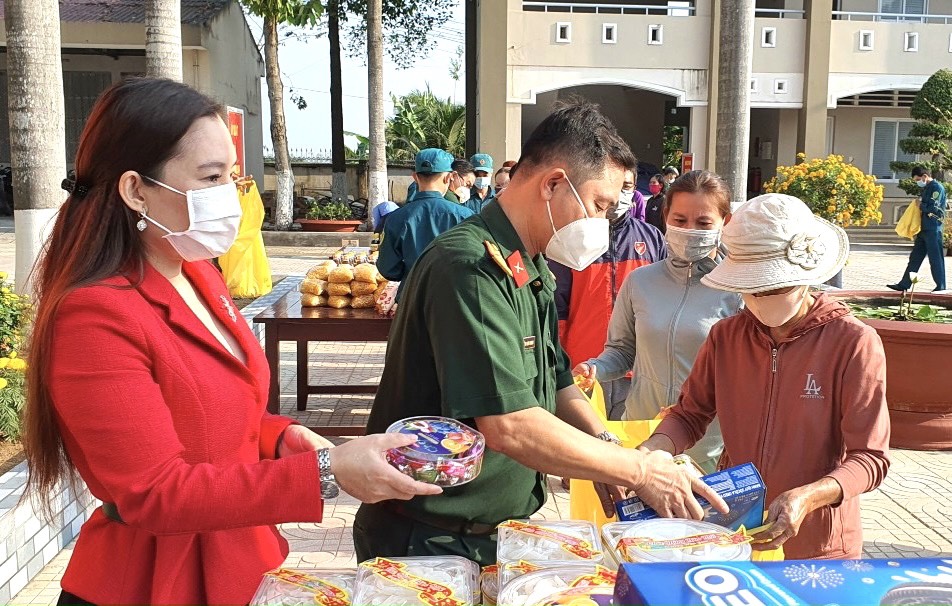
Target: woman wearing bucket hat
(798,383)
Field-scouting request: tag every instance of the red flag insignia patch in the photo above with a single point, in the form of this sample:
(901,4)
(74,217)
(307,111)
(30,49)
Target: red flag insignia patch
(518,267)
(641,248)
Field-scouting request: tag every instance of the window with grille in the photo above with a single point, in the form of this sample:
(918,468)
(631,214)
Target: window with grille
(887,134)
(80,91)
(903,10)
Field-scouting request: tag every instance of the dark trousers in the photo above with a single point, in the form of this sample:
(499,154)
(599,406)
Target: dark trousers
(927,243)
(380,532)
(68,599)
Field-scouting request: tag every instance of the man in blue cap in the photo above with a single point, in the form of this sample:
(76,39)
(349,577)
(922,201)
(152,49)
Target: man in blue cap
(410,230)
(482,191)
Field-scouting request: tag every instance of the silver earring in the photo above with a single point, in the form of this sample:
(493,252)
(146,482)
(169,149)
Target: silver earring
(141,225)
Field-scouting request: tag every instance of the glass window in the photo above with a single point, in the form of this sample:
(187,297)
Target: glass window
(886,137)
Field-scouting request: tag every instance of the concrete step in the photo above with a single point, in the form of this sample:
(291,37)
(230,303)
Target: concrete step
(879,234)
(299,239)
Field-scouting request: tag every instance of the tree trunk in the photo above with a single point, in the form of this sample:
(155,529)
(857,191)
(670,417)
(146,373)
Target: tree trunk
(338,159)
(284,196)
(37,125)
(733,98)
(378,143)
(163,39)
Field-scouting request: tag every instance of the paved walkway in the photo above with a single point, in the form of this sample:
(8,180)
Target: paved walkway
(908,516)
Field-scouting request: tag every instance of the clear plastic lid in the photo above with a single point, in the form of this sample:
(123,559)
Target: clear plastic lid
(523,544)
(489,582)
(675,540)
(446,453)
(537,587)
(287,586)
(425,581)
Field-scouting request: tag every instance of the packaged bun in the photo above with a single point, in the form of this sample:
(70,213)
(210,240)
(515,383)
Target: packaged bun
(341,274)
(338,302)
(363,302)
(337,289)
(366,272)
(313,286)
(320,271)
(309,300)
(379,290)
(362,288)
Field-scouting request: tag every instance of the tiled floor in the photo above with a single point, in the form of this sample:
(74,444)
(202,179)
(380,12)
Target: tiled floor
(911,515)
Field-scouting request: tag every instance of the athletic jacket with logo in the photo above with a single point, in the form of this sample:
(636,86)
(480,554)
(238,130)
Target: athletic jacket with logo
(584,299)
(809,407)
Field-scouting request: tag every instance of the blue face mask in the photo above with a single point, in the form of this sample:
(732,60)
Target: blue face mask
(921,183)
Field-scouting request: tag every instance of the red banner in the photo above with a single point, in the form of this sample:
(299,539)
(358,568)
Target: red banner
(236,127)
(687,162)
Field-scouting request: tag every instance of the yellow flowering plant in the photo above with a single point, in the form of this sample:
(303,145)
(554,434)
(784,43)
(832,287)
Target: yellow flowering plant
(14,314)
(833,189)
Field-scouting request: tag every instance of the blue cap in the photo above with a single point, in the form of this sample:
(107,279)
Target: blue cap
(432,161)
(482,162)
(382,210)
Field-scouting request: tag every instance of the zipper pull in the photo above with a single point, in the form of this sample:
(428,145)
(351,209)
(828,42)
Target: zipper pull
(773,360)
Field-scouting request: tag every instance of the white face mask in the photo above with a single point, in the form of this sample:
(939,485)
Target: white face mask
(481,182)
(622,207)
(579,243)
(462,193)
(776,310)
(691,245)
(213,217)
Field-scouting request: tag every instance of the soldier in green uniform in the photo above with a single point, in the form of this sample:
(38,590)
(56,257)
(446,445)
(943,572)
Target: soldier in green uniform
(476,339)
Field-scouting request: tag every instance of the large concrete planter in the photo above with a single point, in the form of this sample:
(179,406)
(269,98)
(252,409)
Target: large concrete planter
(918,372)
(326,225)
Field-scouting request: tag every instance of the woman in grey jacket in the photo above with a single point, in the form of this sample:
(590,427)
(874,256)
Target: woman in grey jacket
(667,312)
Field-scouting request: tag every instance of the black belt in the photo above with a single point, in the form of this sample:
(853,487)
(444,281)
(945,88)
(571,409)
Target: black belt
(453,525)
(112,512)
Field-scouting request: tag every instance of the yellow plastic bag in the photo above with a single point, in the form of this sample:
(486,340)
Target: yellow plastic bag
(245,266)
(910,223)
(583,502)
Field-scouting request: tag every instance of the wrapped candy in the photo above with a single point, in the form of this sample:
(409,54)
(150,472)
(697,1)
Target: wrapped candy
(674,540)
(526,543)
(433,581)
(446,453)
(540,587)
(286,586)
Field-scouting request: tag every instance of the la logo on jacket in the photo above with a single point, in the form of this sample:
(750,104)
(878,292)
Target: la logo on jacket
(812,389)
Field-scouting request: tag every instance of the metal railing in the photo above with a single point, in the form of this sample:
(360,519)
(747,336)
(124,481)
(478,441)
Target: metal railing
(614,9)
(780,13)
(891,17)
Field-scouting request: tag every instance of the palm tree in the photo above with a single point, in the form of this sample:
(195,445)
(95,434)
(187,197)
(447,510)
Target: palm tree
(422,120)
(377,168)
(274,13)
(163,39)
(37,124)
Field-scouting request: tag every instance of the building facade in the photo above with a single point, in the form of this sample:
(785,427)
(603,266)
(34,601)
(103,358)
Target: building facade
(829,76)
(103,43)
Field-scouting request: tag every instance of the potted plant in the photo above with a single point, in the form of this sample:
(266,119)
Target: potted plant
(947,237)
(916,331)
(833,189)
(14,314)
(328,215)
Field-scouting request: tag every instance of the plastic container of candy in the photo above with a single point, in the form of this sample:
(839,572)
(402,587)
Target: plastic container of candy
(287,586)
(489,584)
(544,543)
(582,596)
(535,588)
(417,581)
(446,453)
(674,540)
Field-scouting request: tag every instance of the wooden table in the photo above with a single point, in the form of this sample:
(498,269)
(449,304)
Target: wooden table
(287,320)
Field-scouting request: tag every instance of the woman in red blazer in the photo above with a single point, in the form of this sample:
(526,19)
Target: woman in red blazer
(147,383)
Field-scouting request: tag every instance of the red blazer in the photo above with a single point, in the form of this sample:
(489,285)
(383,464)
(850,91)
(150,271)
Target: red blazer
(162,421)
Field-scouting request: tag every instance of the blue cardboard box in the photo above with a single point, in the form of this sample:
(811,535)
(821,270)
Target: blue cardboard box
(742,488)
(792,583)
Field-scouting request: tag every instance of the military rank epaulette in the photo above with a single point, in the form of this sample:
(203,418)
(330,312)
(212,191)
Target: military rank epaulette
(496,255)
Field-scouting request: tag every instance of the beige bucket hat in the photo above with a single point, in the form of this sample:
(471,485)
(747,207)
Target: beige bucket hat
(774,241)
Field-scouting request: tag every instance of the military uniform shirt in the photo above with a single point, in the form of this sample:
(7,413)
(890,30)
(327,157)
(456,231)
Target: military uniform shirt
(467,342)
